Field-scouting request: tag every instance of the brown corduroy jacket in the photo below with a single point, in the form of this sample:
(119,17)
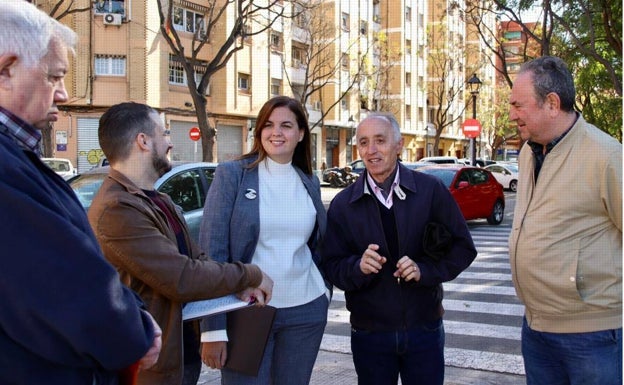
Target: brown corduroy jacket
(137,239)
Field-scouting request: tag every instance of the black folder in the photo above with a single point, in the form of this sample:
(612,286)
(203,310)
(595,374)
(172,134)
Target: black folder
(248,332)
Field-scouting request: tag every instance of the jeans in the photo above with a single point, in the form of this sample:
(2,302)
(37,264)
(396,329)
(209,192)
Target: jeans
(572,358)
(292,347)
(416,354)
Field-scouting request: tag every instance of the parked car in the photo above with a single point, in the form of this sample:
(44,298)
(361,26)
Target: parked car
(61,166)
(506,174)
(477,193)
(186,184)
(479,162)
(415,165)
(440,159)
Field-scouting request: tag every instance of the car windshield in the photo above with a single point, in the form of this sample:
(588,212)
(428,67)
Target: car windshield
(86,186)
(446,176)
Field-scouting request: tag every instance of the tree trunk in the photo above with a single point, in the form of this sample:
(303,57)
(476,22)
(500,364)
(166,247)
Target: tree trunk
(46,140)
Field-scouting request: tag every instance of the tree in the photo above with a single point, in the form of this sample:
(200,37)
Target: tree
(586,34)
(497,128)
(58,9)
(249,18)
(319,64)
(446,75)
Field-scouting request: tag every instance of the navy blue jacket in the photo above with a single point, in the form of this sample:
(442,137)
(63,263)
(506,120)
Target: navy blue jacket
(377,302)
(65,317)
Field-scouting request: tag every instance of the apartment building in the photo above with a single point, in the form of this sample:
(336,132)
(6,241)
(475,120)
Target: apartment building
(373,56)
(516,47)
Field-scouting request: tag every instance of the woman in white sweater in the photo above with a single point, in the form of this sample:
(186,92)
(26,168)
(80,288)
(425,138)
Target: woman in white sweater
(266,208)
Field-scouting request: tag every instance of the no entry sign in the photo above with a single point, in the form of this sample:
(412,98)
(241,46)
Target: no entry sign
(194,134)
(471,128)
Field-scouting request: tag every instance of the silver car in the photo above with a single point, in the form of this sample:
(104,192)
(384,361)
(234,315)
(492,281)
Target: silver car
(186,184)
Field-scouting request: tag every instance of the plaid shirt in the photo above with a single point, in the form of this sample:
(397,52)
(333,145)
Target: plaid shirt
(25,135)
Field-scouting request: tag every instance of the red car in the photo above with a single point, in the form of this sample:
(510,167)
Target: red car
(475,190)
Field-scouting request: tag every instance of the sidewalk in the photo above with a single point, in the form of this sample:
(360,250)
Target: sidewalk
(337,369)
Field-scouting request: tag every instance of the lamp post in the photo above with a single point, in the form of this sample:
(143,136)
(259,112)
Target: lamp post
(473,85)
(351,126)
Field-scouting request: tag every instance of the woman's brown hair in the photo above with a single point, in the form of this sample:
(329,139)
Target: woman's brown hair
(302,155)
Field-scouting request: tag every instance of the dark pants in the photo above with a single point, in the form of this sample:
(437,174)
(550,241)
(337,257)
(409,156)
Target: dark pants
(192,356)
(417,355)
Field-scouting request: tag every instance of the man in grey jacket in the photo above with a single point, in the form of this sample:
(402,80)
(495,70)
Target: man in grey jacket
(566,241)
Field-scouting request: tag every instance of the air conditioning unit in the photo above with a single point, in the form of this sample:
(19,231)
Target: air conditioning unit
(112,19)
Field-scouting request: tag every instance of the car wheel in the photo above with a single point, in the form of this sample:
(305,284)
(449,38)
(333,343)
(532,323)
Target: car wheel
(513,185)
(496,217)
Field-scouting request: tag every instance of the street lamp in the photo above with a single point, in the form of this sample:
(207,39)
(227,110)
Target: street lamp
(352,126)
(473,85)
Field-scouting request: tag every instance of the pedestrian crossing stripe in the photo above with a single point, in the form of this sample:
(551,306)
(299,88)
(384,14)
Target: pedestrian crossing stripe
(461,358)
(450,327)
(489,275)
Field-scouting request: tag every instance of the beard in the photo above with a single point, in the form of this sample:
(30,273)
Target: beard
(160,164)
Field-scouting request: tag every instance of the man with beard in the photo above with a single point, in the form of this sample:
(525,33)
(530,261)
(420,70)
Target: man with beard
(146,238)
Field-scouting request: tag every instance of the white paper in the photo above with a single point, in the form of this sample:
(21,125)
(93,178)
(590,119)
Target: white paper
(213,306)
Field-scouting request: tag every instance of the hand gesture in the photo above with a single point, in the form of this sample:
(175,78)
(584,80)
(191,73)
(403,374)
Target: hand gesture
(371,261)
(407,269)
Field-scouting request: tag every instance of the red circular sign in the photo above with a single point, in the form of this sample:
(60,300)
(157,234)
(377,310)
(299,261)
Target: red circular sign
(195,134)
(471,128)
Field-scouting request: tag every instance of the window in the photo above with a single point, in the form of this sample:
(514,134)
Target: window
(247,31)
(408,112)
(185,189)
(276,87)
(363,27)
(478,176)
(298,56)
(408,46)
(343,104)
(109,6)
(511,51)
(244,82)
(345,21)
(177,75)
(408,79)
(344,61)
(110,65)
(188,21)
(408,13)
(276,41)
(513,35)
(300,16)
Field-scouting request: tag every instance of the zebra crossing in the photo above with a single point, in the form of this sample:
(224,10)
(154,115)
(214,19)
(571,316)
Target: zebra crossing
(483,316)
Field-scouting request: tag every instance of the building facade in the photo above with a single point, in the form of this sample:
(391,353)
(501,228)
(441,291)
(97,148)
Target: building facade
(341,58)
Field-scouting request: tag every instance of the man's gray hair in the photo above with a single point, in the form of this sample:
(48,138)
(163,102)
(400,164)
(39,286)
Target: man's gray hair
(26,32)
(389,118)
